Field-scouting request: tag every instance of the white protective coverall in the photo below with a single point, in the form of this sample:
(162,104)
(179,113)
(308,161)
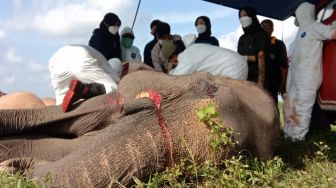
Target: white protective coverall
(129,54)
(305,71)
(189,40)
(84,63)
(212,59)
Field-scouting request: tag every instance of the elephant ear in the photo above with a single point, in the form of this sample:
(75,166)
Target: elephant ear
(20,164)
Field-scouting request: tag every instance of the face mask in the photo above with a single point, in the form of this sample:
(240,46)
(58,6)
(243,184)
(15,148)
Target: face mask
(245,21)
(113,29)
(127,42)
(200,28)
(296,22)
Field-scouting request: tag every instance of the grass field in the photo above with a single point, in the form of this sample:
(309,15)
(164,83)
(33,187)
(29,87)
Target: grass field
(310,163)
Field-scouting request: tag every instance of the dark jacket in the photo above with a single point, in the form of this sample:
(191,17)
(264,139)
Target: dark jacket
(276,60)
(206,39)
(106,43)
(249,45)
(148,52)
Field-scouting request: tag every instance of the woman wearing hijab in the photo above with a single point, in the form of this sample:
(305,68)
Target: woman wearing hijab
(253,44)
(203,27)
(106,38)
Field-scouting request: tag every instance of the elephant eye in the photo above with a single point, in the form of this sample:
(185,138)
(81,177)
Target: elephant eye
(211,90)
(206,86)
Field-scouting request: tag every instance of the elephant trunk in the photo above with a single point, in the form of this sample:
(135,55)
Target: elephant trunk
(52,120)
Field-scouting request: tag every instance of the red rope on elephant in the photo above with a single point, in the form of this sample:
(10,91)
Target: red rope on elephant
(156,99)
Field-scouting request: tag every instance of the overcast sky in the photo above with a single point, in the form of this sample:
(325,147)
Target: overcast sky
(32,30)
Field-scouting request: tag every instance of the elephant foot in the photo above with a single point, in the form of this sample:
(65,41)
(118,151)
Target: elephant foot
(22,164)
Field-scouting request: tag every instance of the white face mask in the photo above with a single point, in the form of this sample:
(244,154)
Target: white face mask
(245,21)
(200,28)
(113,29)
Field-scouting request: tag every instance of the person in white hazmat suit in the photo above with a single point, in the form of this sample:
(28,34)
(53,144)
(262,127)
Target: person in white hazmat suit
(305,71)
(83,63)
(129,52)
(204,57)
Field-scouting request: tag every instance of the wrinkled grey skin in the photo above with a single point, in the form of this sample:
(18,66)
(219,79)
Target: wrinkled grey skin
(250,101)
(40,132)
(106,144)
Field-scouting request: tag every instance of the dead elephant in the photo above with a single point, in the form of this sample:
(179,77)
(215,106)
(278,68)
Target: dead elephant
(103,140)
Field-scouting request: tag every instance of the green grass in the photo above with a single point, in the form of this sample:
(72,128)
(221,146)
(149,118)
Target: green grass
(304,164)
(310,163)
(9,181)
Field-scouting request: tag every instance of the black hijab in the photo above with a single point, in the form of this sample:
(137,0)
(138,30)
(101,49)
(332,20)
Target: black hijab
(207,32)
(252,13)
(108,20)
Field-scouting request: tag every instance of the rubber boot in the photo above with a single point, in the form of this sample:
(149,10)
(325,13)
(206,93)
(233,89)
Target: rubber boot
(78,90)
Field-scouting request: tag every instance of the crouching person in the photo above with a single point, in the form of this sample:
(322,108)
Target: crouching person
(203,57)
(74,65)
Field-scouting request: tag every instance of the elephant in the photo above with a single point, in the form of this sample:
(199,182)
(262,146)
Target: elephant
(19,100)
(48,101)
(24,100)
(146,127)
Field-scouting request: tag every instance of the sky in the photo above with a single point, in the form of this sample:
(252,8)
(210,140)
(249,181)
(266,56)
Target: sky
(32,30)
